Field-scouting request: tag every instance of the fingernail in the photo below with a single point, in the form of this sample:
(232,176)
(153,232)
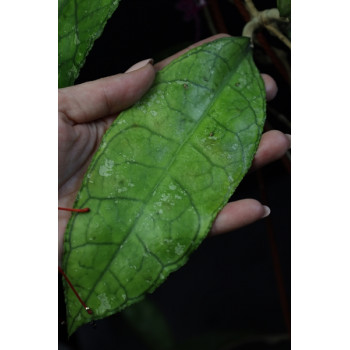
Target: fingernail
(288,137)
(140,64)
(267,211)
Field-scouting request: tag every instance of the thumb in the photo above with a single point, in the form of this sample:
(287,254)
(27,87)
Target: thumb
(107,96)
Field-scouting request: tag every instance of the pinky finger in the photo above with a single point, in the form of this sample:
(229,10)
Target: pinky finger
(238,214)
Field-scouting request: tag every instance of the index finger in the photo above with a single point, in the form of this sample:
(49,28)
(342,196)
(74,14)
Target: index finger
(105,97)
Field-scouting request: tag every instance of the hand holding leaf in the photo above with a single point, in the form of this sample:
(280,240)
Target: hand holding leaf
(86,111)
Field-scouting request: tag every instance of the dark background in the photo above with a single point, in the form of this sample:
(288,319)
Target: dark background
(234,293)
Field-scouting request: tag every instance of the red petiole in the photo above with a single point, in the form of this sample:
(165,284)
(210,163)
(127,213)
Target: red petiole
(84,210)
(88,310)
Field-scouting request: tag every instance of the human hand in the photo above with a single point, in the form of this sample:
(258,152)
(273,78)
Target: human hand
(87,110)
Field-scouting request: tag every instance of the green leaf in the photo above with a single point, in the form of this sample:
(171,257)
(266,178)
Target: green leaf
(163,171)
(284,7)
(80,23)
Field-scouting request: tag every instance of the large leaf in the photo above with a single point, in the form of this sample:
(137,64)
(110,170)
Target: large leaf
(163,171)
(80,23)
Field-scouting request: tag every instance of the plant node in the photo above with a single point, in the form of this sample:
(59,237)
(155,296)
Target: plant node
(267,19)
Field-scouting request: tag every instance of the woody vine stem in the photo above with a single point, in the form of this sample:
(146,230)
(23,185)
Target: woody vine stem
(268,19)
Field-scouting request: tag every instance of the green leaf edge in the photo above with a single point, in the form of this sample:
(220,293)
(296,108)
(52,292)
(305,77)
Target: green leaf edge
(181,262)
(65,80)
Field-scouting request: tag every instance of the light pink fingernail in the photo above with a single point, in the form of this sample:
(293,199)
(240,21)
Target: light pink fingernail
(267,211)
(289,137)
(140,64)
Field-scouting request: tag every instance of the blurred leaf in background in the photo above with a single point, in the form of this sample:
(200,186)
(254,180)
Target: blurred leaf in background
(80,23)
(284,7)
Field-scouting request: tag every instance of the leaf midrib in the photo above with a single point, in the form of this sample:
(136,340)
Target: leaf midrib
(233,70)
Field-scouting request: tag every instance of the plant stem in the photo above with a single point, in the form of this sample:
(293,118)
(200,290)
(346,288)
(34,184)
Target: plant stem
(265,19)
(263,42)
(209,20)
(279,116)
(251,8)
(217,16)
(275,255)
(276,32)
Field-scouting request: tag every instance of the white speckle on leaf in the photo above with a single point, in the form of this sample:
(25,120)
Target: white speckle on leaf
(105,305)
(172,187)
(121,190)
(165,197)
(106,168)
(76,39)
(179,249)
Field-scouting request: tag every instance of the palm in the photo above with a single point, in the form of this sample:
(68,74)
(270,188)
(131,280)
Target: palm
(77,143)
(76,146)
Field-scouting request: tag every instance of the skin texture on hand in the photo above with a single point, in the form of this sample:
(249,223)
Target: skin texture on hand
(86,111)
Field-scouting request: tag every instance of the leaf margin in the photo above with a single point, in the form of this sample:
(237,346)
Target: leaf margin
(185,258)
(68,69)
